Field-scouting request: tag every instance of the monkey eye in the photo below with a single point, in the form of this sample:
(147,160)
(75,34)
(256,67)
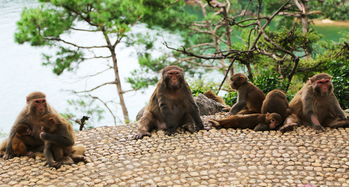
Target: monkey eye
(324,81)
(40,101)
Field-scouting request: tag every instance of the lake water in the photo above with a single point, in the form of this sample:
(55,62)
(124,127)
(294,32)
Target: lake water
(21,72)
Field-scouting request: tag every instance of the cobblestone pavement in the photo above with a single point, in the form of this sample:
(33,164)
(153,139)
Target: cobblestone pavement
(207,158)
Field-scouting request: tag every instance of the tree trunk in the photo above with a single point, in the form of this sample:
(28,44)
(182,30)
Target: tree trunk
(118,86)
(304,10)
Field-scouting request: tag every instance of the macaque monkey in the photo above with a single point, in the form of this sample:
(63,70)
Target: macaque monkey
(58,137)
(171,105)
(250,98)
(211,95)
(316,105)
(257,122)
(24,135)
(276,102)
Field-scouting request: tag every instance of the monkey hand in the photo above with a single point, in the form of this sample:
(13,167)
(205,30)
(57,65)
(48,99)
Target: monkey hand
(319,128)
(43,135)
(28,132)
(54,164)
(170,131)
(140,135)
(8,156)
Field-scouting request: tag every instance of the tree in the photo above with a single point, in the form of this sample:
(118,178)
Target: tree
(242,33)
(53,22)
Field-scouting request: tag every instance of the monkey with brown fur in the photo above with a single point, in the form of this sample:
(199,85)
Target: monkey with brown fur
(170,106)
(211,95)
(276,102)
(58,136)
(316,105)
(24,135)
(250,98)
(257,122)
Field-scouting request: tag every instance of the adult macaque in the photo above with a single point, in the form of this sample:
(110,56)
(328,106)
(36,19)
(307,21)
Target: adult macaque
(250,98)
(316,105)
(24,136)
(58,136)
(276,102)
(170,106)
(257,122)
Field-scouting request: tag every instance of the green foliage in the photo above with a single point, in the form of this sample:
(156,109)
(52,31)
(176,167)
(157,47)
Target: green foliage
(268,80)
(38,25)
(332,9)
(230,98)
(200,86)
(63,60)
(339,70)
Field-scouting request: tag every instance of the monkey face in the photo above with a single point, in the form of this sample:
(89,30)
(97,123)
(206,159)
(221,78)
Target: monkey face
(323,86)
(174,78)
(39,106)
(237,80)
(274,120)
(50,123)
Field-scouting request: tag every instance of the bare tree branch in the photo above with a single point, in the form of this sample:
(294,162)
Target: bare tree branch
(106,106)
(95,88)
(73,44)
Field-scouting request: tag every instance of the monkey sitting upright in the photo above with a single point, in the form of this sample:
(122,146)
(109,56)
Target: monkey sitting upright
(170,106)
(58,136)
(276,102)
(250,98)
(257,122)
(316,105)
(24,135)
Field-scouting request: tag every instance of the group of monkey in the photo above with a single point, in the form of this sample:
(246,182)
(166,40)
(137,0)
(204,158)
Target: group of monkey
(39,128)
(172,106)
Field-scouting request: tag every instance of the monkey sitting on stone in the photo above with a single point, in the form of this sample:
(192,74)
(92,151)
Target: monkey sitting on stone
(170,106)
(58,137)
(316,105)
(250,98)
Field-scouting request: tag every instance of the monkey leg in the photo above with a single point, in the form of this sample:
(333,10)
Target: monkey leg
(245,111)
(338,123)
(290,123)
(49,152)
(188,123)
(261,127)
(18,147)
(144,125)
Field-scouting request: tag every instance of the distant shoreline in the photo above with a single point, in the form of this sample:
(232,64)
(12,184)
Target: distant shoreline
(327,22)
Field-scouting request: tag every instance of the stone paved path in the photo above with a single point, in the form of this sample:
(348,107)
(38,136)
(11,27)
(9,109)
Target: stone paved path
(207,158)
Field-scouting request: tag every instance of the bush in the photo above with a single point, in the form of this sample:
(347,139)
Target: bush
(268,80)
(230,98)
(340,73)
